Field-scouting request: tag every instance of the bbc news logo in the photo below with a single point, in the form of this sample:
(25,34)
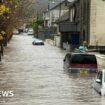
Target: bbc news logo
(7,94)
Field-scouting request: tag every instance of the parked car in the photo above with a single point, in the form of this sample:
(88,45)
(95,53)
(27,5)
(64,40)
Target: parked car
(38,42)
(15,32)
(82,63)
(99,83)
(26,30)
(30,32)
(20,30)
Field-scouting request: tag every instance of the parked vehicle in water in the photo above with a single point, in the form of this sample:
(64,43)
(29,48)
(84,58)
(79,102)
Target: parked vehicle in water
(38,42)
(99,83)
(20,30)
(30,32)
(15,32)
(26,30)
(82,63)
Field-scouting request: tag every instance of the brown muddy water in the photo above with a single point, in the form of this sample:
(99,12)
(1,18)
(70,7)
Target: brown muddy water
(35,76)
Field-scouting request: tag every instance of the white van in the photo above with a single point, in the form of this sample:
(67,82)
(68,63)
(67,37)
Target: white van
(99,83)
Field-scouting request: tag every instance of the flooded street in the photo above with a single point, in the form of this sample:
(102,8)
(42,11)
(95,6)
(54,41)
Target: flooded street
(36,77)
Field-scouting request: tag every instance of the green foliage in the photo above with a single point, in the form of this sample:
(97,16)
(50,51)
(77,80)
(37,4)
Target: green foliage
(36,24)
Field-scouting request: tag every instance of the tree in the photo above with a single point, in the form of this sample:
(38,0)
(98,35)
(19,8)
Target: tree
(7,13)
(11,13)
(36,24)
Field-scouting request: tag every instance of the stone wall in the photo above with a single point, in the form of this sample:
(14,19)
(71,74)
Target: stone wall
(97,23)
(100,61)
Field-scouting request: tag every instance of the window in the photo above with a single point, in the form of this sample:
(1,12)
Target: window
(83,59)
(67,58)
(99,76)
(72,14)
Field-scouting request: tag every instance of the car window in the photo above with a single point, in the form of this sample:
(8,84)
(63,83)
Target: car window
(83,59)
(99,76)
(67,57)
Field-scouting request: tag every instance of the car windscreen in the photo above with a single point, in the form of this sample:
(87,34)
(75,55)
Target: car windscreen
(83,59)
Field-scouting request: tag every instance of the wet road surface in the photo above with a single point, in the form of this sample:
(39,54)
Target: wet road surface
(36,77)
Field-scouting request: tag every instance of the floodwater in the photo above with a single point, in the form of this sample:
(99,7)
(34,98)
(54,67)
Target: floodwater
(35,76)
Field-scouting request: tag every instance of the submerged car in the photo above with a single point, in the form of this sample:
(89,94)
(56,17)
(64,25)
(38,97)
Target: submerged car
(82,63)
(99,83)
(38,42)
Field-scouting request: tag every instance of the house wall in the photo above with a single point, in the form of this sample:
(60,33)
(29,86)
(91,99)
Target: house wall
(90,15)
(64,9)
(56,13)
(97,23)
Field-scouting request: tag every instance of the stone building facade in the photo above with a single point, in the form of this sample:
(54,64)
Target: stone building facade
(84,20)
(93,22)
